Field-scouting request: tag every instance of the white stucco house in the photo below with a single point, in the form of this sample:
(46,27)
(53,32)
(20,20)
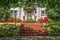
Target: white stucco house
(23,15)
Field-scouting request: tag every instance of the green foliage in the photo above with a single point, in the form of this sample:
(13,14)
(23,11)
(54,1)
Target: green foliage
(8,30)
(53,28)
(29,7)
(53,14)
(4,13)
(29,21)
(53,7)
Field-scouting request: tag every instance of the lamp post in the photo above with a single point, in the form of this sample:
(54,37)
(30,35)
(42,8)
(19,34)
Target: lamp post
(15,17)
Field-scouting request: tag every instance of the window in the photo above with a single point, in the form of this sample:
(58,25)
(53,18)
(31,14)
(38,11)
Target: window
(42,13)
(24,17)
(35,10)
(15,12)
(35,17)
(19,12)
(11,11)
(25,13)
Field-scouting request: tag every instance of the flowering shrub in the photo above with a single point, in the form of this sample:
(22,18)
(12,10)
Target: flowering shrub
(7,21)
(4,20)
(12,20)
(45,19)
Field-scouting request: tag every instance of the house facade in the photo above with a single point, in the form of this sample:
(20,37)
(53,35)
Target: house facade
(39,12)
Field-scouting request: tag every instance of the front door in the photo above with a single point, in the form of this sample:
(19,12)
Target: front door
(29,16)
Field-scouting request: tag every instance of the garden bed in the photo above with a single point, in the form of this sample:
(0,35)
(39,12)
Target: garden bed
(9,29)
(32,29)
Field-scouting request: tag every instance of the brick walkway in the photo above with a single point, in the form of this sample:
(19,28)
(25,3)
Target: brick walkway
(32,29)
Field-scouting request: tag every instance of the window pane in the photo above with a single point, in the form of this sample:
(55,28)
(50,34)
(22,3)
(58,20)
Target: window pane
(11,11)
(15,12)
(35,17)
(20,13)
(24,17)
(42,13)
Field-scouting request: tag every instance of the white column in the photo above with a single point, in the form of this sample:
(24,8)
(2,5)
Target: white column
(25,15)
(37,13)
(22,13)
(17,14)
(33,15)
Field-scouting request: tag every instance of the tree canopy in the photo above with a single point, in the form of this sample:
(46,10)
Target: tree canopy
(53,6)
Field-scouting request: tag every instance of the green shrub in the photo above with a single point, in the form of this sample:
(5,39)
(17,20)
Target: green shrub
(52,14)
(29,21)
(8,30)
(53,29)
(58,23)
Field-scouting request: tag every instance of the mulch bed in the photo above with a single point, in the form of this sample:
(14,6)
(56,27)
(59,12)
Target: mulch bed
(32,29)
